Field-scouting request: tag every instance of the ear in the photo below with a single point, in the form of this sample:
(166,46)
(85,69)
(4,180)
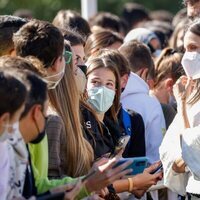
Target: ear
(36,111)
(124,80)
(5,118)
(150,83)
(55,67)
(169,84)
(12,53)
(143,73)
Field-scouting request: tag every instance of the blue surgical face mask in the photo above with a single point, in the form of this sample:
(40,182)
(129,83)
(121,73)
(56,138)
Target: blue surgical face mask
(101,98)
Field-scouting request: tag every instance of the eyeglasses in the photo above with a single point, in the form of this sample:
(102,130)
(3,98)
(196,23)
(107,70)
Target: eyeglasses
(68,56)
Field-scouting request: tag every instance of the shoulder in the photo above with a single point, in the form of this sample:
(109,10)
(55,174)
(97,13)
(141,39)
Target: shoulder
(54,127)
(54,121)
(134,115)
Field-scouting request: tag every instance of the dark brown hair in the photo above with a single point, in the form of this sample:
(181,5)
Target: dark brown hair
(99,40)
(115,56)
(69,19)
(194,27)
(97,63)
(168,65)
(13,90)
(40,39)
(8,26)
(138,56)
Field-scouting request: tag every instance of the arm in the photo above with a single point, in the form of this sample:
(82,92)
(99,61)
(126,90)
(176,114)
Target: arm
(191,150)
(139,182)
(155,130)
(4,170)
(170,150)
(39,162)
(56,145)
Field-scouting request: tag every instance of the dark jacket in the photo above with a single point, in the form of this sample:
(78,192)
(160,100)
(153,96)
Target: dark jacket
(136,146)
(105,142)
(102,142)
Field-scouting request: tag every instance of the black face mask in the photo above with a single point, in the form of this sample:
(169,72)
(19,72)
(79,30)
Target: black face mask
(83,68)
(40,136)
(122,90)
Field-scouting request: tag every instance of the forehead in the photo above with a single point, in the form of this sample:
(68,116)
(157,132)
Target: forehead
(191,38)
(79,50)
(103,74)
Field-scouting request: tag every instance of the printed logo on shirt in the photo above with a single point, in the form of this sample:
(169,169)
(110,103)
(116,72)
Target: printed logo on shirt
(88,125)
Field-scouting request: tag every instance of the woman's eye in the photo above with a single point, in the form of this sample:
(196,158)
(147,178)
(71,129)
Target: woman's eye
(110,84)
(95,82)
(191,48)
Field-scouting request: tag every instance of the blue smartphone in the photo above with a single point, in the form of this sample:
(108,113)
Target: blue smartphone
(138,165)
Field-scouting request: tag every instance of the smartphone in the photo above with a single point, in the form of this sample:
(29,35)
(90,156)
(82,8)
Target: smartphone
(158,169)
(138,164)
(122,142)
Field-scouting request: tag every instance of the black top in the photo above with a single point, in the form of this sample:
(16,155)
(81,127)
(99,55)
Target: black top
(136,146)
(29,183)
(105,142)
(102,143)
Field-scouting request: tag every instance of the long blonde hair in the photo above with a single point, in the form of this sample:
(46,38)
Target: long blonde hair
(65,99)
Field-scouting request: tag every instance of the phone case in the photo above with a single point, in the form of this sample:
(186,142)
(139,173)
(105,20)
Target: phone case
(138,165)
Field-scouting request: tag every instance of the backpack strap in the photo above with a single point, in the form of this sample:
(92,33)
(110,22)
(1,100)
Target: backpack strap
(126,121)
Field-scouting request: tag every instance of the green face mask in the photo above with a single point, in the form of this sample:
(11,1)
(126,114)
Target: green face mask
(101,98)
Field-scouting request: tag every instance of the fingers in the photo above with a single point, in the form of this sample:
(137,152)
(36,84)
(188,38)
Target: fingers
(62,188)
(100,162)
(152,167)
(121,167)
(74,191)
(109,164)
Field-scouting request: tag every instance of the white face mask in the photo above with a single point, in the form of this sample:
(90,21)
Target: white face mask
(101,98)
(81,81)
(53,83)
(191,64)
(9,130)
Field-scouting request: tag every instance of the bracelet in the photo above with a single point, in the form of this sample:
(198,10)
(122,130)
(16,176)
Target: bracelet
(130,187)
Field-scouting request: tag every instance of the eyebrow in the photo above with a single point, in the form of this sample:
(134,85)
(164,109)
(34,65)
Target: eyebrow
(100,79)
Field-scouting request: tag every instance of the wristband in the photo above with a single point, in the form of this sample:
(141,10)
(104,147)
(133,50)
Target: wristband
(130,181)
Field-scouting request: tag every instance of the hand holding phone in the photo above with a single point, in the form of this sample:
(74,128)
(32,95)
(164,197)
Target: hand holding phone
(158,169)
(122,142)
(138,164)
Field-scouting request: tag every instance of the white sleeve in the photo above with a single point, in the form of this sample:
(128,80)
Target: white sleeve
(170,150)
(4,170)
(191,150)
(155,129)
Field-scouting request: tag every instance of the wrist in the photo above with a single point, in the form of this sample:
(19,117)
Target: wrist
(130,184)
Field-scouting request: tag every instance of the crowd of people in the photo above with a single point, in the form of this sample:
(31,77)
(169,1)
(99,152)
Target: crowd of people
(71,89)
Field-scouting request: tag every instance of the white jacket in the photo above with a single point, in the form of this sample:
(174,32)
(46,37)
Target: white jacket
(4,170)
(18,155)
(186,146)
(136,97)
